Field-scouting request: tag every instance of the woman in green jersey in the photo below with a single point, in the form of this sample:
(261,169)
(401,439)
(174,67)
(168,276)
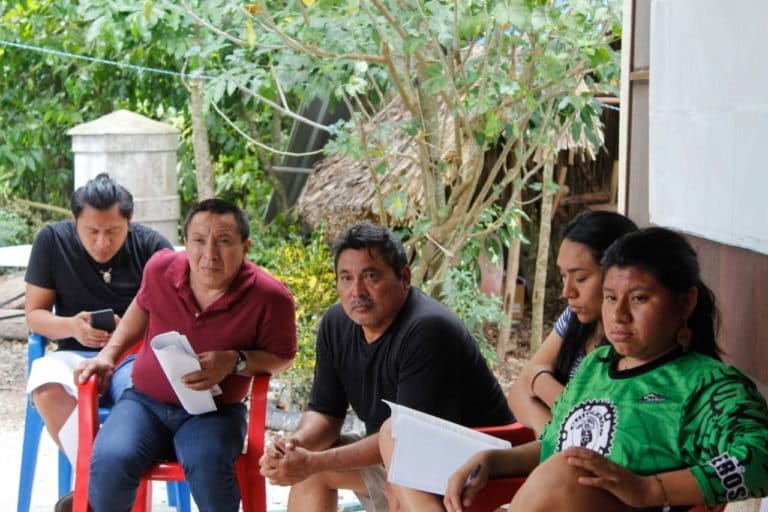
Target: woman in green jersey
(654,421)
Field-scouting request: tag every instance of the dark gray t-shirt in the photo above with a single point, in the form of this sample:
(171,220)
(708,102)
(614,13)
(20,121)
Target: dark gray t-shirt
(426,360)
(59,262)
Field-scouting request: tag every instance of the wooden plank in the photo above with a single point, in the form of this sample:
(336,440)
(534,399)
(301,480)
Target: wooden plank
(12,324)
(12,288)
(588,198)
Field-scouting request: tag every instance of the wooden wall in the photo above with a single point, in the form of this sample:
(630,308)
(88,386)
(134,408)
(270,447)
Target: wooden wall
(739,278)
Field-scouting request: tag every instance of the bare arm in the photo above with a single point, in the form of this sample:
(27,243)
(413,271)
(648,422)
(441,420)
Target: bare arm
(38,306)
(263,361)
(317,431)
(677,487)
(127,333)
(534,411)
(216,365)
(680,488)
(516,461)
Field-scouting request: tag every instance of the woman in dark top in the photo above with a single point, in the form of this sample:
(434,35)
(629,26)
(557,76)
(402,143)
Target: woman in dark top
(579,328)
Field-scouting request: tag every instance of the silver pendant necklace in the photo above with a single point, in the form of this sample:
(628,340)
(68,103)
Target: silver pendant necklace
(106,275)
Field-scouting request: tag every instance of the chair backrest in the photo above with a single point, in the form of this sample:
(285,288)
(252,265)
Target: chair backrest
(33,427)
(35,348)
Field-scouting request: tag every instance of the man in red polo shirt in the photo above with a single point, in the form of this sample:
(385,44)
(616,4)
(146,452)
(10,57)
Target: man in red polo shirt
(238,319)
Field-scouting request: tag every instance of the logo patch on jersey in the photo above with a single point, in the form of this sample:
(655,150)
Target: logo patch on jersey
(731,474)
(653,397)
(590,424)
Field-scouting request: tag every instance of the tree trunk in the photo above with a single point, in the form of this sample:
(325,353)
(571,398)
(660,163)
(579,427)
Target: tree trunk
(510,284)
(203,169)
(542,258)
(508,291)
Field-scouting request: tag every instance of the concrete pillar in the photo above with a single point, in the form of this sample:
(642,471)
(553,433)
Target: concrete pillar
(138,153)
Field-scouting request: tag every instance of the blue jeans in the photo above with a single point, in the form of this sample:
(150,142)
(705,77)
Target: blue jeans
(121,380)
(140,431)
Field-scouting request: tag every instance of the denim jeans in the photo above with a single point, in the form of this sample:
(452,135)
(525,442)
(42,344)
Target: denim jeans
(121,380)
(140,431)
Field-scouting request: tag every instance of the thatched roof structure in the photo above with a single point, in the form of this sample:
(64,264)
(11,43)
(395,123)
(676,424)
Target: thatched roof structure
(341,191)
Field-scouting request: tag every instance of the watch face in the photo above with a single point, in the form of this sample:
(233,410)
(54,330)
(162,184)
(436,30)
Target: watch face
(241,362)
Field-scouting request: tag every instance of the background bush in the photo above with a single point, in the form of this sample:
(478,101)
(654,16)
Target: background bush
(306,267)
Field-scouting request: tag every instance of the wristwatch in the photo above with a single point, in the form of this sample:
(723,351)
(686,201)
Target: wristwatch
(241,363)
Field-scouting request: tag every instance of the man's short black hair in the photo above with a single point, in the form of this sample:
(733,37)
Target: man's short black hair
(367,235)
(220,207)
(102,193)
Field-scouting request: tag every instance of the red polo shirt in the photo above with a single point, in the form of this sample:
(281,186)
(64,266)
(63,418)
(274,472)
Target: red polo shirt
(256,313)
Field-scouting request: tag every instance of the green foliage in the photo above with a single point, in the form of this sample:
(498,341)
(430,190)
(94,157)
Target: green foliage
(306,267)
(506,73)
(43,95)
(479,312)
(14,229)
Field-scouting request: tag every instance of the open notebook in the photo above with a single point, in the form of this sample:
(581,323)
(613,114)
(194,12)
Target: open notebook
(429,449)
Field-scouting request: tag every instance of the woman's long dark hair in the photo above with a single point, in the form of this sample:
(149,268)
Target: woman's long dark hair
(596,230)
(671,260)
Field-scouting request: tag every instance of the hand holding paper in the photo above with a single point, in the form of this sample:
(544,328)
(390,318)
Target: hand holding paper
(428,449)
(177,358)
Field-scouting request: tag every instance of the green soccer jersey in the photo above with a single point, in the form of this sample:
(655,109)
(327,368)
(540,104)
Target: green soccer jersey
(680,411)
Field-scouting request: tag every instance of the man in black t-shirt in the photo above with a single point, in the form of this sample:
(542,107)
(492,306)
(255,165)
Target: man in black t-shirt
(93,261)
(384,340)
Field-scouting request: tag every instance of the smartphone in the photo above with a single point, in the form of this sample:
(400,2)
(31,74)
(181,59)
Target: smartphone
(103,319)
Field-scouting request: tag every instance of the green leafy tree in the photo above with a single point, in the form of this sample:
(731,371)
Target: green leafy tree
(44,93)
(490,89)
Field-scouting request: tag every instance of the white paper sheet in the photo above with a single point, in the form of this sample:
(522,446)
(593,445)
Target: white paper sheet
(68,437)
(177,358)
(429,449)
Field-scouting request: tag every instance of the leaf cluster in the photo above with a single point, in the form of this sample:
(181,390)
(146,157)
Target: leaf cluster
(305,266)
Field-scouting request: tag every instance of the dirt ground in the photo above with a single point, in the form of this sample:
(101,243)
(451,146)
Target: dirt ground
(13,378)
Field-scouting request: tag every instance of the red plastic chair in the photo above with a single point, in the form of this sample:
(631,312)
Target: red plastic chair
(252,486)
(499,491)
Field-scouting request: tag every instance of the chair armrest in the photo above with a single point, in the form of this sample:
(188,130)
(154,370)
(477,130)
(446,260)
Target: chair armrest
(87,426)
(35,348)
(257,417)
(515,433)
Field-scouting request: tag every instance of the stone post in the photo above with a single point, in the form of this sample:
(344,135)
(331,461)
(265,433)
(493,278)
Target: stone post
(138,153)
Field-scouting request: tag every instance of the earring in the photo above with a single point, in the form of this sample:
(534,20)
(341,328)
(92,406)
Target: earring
(684,336)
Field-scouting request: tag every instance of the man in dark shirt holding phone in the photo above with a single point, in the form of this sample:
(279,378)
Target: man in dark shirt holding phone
(77,267)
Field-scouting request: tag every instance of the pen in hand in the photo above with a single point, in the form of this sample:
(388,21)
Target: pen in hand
(473,474)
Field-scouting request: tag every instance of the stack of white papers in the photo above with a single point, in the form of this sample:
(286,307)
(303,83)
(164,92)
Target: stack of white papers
(428,449)
(177,358)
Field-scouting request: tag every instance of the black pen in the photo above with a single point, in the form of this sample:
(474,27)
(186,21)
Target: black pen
(473,474)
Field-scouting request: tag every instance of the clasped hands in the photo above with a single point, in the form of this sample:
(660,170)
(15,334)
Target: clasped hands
(285,462)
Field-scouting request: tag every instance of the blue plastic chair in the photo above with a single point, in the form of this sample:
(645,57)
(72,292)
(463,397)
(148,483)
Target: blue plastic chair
(178,492)
(33,427)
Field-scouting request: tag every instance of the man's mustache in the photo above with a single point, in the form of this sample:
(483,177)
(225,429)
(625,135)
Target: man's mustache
(361,302)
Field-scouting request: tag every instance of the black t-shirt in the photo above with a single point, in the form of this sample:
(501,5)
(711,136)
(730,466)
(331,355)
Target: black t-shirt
(426,360)
(59,262)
